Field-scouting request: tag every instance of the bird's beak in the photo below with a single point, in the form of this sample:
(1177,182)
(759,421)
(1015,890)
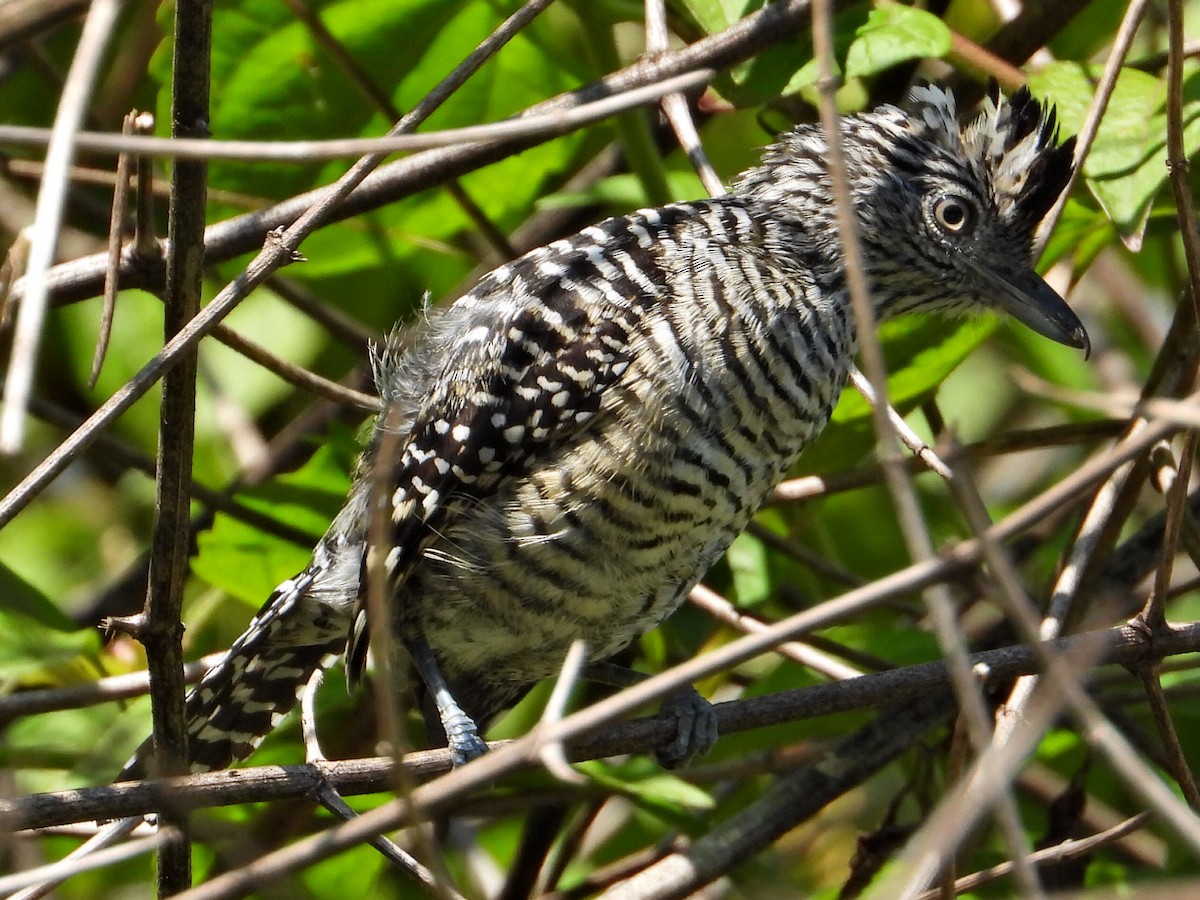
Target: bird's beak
(1028,299)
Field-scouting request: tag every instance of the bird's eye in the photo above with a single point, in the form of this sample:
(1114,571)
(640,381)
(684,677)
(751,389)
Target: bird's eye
(952,214)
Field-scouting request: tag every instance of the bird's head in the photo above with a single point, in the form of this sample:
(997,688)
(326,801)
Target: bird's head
(946,212)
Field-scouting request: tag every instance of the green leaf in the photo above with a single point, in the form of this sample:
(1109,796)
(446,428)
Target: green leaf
(33,652)
(717,15)
(1126,167)
(660,792)
(886,37)
(917,361)
(847,26)
(1081,233)
(894,34)
(248,563)
(748,562)
(22,598)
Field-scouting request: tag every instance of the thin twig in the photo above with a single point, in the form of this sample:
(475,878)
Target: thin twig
(675,107)
(1114,403)
(295,375)
(275,253)
(909,437)
(1153,614)
(552,754)
(104,838)
(802,654)
(85,66)
(1091,122)
(912,524)
(808,487)
(1176,758)
(58,872)
(104,690)
(145,236)
(170,545)
(1073,848)
(116,235)
(1177,161)
(539,125)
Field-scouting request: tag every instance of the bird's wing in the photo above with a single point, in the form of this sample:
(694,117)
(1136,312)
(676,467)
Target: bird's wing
(524,362)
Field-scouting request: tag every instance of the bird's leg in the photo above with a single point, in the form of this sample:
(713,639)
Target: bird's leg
(695,719)
(462,735)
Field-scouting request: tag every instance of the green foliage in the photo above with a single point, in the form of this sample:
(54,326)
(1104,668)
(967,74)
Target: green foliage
(39,645)
(273,79)
(1126,167)
(245,561)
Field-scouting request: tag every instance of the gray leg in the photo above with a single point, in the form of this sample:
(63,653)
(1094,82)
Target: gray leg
(695,720)
(462,736)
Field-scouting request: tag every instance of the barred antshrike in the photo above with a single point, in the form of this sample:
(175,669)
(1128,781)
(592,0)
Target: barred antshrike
(567,448)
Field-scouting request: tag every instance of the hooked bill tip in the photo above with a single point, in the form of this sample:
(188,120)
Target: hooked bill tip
(1080,340)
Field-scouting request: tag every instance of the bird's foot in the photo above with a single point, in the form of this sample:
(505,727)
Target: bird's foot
(695,729)
(462,737)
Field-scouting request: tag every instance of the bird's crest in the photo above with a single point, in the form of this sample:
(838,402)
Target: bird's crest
(1013,144)
(935,116)
(1016,143)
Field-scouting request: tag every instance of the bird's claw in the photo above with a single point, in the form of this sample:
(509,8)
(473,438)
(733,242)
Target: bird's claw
(695,729)
(462,737)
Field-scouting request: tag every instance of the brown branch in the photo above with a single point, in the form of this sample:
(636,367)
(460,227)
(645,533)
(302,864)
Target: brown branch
(279,249)
(170,544)
(1122,645)
(776,22)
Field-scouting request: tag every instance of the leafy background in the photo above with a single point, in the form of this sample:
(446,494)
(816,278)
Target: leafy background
(79,552)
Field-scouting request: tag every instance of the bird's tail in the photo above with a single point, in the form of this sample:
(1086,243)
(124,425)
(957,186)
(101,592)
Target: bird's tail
(241,699)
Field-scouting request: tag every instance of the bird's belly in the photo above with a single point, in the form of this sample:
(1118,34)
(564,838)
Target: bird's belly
(577,551)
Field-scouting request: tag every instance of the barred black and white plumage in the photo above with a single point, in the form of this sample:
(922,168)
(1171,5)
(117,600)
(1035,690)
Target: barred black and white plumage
(581,436)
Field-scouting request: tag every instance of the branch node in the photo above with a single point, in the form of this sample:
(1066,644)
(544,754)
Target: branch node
(136,626)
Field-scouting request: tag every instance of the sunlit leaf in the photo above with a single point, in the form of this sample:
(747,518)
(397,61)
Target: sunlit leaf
(894,34)
(247,562)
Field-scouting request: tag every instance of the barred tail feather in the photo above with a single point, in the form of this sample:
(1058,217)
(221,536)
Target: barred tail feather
(241,699)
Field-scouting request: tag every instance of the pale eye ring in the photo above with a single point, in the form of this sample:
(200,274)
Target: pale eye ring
(952,214)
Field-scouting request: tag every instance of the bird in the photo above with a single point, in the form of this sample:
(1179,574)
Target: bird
(566,449)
